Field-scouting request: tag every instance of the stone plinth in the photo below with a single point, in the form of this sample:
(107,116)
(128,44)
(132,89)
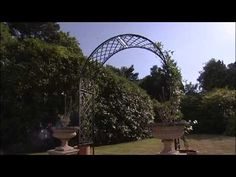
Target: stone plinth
(68,152)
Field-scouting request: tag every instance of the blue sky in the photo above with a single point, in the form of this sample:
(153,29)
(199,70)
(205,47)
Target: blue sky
(193,43)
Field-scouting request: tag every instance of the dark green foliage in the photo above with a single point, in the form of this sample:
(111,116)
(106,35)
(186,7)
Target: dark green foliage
(231,76)
(44,31)
(165,86)
(216,75)
(162,80)
(155,83)
(215,111)
(127,72)
(123,110)
(190,89)
(219,107)
(34,73)
(190,107)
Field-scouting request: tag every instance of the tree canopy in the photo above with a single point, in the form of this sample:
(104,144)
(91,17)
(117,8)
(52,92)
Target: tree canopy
(38,63)
(216,74)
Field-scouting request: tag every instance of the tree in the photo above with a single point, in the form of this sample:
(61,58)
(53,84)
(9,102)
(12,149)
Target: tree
(48,32)
(161,82)
(190,88)
(155,83)
(213,75)
(34,73)
(127,72)
(231,76)
(45,31)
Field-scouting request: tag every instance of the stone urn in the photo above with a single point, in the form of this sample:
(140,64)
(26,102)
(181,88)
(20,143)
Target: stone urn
(167,134)
(64,134)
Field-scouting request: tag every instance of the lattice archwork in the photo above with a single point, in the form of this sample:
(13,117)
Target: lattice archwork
(118,43)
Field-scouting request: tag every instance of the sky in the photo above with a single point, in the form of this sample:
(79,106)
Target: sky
(194,44)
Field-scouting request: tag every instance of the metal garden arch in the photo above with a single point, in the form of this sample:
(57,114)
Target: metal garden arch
(97,58)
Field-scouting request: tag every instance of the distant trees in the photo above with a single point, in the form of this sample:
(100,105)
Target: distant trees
(161,79)
(231,76)
(214,105)
(127,72)
(47,32)
(215,74)
(190,88)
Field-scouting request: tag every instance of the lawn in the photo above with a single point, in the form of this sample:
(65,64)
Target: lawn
(204,144)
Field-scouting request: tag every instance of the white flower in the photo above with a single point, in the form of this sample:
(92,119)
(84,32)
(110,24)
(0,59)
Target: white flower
(62,93)
(195,121)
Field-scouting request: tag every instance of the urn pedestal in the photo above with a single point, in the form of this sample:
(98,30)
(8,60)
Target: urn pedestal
(167,134)
(64,134)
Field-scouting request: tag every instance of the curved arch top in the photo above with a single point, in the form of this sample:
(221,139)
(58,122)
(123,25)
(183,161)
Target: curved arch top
(121,42)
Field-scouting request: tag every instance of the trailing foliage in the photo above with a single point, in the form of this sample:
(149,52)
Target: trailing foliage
(163,81)
(165,85)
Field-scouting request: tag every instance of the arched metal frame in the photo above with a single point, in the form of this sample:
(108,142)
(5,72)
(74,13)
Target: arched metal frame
(118,43)
(98,58)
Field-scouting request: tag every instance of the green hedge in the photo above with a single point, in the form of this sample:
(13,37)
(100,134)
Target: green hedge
(123,110)
(33,76)
(215,111)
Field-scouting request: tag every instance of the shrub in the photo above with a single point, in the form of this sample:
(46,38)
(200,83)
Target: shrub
(123,110)
(215,111)
(219,111)
(190,107)
(33,76)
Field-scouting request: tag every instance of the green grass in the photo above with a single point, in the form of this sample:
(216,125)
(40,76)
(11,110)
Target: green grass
(204,144)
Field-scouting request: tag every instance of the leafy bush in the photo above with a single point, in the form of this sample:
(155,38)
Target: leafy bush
(33,75)
(219,110)
(215,111)
(230,128)
(190,107)
(123,110)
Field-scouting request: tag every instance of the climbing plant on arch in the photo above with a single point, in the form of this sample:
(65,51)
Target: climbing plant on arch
(89,71)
